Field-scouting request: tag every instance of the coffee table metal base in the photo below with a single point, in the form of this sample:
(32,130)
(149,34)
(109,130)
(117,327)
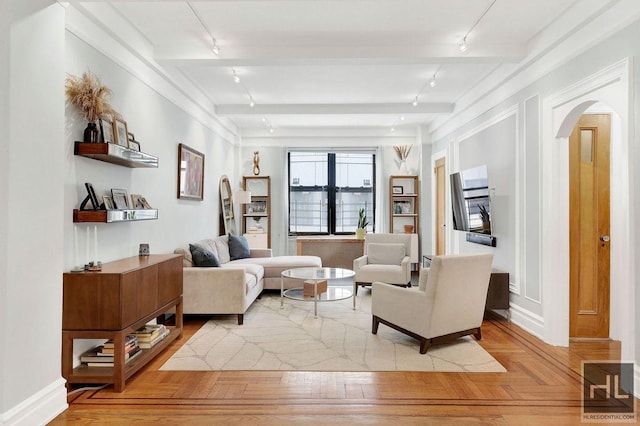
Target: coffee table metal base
(333,293)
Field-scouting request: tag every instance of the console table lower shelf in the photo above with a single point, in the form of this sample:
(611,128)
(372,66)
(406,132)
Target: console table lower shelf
(121,371)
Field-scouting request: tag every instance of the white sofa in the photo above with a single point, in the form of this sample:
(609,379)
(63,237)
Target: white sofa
(232,287)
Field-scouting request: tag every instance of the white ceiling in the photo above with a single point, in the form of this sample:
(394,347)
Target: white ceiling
(343,63)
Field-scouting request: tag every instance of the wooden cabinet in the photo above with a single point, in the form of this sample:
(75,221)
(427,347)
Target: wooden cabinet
(112,303)
(256,216)
(404,204)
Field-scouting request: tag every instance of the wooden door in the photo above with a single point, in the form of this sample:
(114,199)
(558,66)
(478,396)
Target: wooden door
(440,176)
(589,227)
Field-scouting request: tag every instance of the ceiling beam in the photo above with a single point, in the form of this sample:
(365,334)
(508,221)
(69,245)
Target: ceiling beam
(185,55)
(309,109)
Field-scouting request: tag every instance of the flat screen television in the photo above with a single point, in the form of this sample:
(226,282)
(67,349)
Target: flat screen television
(470,201)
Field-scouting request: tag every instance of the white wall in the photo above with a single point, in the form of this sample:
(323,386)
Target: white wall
(32,164)
(530,309)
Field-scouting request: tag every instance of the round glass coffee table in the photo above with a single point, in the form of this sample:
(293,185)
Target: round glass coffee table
(314,276)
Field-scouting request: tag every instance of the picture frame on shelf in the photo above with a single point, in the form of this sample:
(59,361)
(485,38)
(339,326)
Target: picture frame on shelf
(91,196)
(190,173)
(136,202)
(121,134)
(145,204)
(108,202)
(106,130)
(134,145)
(397,190)
(120,199)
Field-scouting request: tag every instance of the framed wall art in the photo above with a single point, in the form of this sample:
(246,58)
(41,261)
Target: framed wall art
(190,173)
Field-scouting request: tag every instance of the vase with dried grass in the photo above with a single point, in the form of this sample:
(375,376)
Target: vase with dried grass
(402,151)
(91,97)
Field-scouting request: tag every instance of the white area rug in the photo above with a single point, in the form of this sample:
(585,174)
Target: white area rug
(340,339)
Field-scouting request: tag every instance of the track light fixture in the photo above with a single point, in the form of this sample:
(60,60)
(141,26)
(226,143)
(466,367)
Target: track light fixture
(236,77)
(214,48)
(462,44)
(415,101)
(251,103)
(433,81)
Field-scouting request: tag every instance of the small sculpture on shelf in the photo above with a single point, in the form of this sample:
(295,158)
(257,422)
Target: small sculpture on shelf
(256,163)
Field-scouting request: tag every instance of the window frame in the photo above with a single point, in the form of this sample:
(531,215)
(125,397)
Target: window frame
(332,191)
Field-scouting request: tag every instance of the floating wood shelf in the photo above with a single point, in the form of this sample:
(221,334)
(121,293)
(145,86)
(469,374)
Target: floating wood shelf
(115,154)
(109,216)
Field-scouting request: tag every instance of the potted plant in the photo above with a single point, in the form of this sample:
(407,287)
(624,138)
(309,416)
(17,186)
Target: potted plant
(362,224)
(91,97)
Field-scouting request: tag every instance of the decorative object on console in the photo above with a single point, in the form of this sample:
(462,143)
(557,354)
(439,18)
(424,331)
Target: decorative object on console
(133,143)
(256,163)
(190,173)
(91,97)
(138,202)
(144,249)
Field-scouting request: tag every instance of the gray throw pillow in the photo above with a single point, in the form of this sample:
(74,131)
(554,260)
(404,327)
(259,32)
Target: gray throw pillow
(203,257)
(238,247)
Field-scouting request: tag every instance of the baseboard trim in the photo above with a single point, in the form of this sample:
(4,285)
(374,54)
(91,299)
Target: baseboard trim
(527,320)
(40,408)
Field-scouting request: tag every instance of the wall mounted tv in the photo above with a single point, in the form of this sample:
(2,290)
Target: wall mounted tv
(471,205)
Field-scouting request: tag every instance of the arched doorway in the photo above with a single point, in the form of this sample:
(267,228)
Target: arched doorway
(608,90)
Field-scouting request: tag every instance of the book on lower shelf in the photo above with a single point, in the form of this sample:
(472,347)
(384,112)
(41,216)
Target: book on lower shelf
(128,357)
(157,339)
(95,358)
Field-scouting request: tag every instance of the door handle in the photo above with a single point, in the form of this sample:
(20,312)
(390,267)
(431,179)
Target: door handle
(605,238)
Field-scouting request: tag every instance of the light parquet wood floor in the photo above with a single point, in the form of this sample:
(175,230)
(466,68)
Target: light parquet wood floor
(542,386)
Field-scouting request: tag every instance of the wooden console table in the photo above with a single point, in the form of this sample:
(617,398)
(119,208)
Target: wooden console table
(335,251)
(112,303)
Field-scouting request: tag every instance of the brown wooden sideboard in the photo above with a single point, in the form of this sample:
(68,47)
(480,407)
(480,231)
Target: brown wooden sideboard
(111,303)
(335,251)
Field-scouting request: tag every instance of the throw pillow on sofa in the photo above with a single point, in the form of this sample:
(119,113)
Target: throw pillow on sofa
(203,257)
(238,247)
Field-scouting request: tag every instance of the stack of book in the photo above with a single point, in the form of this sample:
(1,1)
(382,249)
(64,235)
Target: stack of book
(149,335)
(103,356)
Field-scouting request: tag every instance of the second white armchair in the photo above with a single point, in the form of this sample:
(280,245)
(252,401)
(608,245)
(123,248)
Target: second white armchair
(386,259)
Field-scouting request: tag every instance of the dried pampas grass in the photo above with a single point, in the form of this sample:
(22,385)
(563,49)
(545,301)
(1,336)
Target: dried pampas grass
(89,95)
(402,151)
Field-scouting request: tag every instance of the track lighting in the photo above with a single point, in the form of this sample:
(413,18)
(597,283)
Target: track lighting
(462,45)
(251,103)
(433,81)
(402,118)
(236,77)
(215,49)
(415,101)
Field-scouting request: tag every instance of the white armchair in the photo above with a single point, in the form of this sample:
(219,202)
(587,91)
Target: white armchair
(448,304)
(386,259)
